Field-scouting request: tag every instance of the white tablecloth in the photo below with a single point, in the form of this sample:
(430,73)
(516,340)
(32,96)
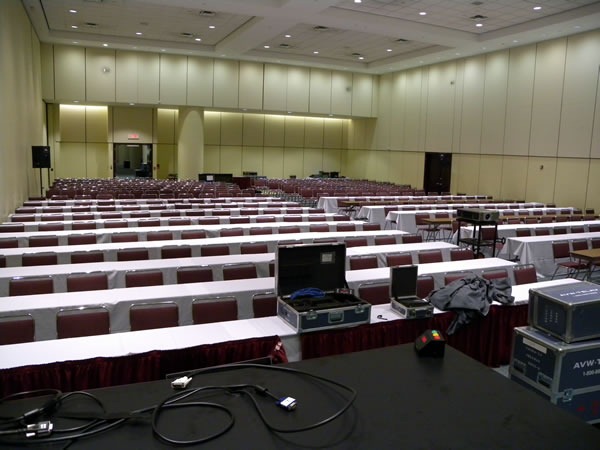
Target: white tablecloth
(330,204)
(43,308)
(116,270)
(150,201)
(13,255)
(538,249)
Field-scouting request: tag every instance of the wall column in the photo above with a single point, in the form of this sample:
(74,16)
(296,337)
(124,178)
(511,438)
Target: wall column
(190,143)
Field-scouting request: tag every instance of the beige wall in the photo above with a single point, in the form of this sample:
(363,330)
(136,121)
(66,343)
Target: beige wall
(503,115)
(22,113)
(273,145)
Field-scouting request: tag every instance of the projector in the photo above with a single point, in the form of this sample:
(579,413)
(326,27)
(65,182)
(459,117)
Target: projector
(478,215)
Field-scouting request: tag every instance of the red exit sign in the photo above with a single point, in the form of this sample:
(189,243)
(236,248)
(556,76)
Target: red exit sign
(133,136)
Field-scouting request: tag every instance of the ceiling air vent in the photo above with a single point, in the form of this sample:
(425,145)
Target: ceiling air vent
(478,17)
(401,40)
(187,35)
(91,24)
(207,13)
(320,28)
(285,46)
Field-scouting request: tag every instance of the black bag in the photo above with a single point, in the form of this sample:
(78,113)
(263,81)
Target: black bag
(470,297)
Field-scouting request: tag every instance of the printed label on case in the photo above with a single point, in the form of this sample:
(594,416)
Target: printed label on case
(535,345)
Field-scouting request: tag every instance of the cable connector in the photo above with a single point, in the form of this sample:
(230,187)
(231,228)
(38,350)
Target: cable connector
(181,382)
(287,403)
(39,429)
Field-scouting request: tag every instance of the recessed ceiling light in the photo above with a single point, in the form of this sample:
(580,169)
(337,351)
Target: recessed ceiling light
(75,42)
(361,57)
(479,25)
(138,33)
(287,35)
(197,39)
(131,104)
(388,50)
(289,112)
(316,52)
(515,41)
(577,27)
(537,8)
(74,27)
(163,50)
(104,45)
(75,101)
(457,54)
(357,1)
(423,13)
(266,46)
(73,11)
(212,27)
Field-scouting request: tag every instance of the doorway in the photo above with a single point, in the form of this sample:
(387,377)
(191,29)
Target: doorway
(132,161)
(438,169)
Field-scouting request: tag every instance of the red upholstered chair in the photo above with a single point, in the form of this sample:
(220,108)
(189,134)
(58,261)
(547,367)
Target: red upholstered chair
(461,254)
(363,262)
(194,274)
(176,251)
(162,235)
(318,228)
(371,227)
(292,218)
(225,232)
(39,259)
(411,238)
(218,309)
(51,226)
(124,237)
(264,304)
(376,293)
(116,224)
(9,242)
(239,271)
(87,257)
(81,239)
(178,221)
(209,221)
(494,274)
(398,259)
(430,256)
(83,226)
(77,322)
(90,281)
(523,232)
(525,273)
(43,241)
(193,234)
(289,230)
(146,316)
(356,242)
(385,240)
(345,226)
(425,285)
(260,230)
(562,258)
(253,247)
(214,250)
(140,278)
(265,219)
(17,329)
(30,285)
(449,277)
(12,228)
(132,254)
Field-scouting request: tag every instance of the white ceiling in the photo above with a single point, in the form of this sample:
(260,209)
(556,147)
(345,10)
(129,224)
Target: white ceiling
(374,36)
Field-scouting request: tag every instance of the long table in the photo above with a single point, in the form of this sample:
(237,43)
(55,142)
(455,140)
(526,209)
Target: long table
(166,221)
(537,250)
(39,217)
(64,252)
(149,201)
(331,204)
(116,270)
(510,230)
(406,220)
(44,307)
(104,235)
(378,214)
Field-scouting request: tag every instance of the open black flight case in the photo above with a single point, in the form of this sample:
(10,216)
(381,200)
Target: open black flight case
(312,292)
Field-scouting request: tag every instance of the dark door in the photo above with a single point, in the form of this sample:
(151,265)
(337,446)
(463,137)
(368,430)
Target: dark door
(438,168)
(132,160)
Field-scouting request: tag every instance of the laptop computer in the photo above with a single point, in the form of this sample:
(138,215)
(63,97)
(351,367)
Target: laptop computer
(403,293)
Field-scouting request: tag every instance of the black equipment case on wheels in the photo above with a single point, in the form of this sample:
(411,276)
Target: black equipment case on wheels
(312,293)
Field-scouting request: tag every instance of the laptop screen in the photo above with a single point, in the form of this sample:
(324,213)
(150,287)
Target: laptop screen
(403,281)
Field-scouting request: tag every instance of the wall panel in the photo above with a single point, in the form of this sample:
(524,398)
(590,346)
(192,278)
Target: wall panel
(251,85)
(320,91)
(212,128)
(173,79)
(298,83)
(97,164)
(231,160)
(413,108)
(490,175)
(47,62)
(581,79)
(521,69)
(312,161)
(100,67)
(383,128)
(126,76)
(72,123)
(514,178)
(398,118)
(148,77)
(472,105)
(440,107)
(212,158)
(541,181)
(341,93)
(547,97)
(200,81)
(494,103)
(571,172)
(313,132)
(70,162)
(128,121)
(273,162)
(465,173)
(254,129)
(593,187)
(166,160)
(166,125)
(275,87)
(69,73)
(294,131)
(226,77)
(96,124)
(252,159)
(332,160)
(362,95)
(332,133)
(231,128)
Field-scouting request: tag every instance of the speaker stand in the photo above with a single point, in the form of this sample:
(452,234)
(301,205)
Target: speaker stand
(41,185)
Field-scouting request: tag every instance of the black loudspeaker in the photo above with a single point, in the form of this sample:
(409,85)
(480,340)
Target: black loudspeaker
(40,156)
